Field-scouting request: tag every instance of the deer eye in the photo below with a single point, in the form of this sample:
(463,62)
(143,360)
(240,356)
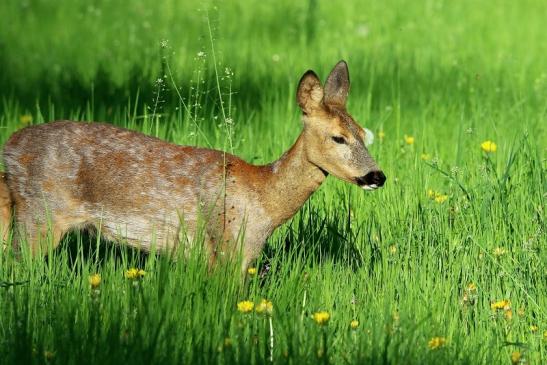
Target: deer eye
(339,139)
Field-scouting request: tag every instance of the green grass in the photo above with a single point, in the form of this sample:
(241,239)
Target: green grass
(451,74)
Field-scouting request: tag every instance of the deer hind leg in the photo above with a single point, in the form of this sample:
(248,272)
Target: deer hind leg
(5,210)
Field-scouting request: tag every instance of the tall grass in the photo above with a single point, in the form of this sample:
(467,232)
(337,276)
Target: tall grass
(451,75)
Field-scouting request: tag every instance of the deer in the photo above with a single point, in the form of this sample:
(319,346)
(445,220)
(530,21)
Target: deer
(144,192)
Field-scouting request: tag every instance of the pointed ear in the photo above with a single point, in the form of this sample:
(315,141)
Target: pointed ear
(337,85)
(310,92)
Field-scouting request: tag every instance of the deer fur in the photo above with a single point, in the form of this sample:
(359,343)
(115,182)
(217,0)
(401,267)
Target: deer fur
(142,191)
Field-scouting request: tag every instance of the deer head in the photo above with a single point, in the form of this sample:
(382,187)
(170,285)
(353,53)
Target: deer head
(333,141)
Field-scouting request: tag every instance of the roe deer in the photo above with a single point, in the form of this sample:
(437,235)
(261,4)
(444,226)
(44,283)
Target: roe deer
(143,191)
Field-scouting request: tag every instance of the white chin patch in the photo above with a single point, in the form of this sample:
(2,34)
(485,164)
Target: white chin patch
(369,137)
(370,187)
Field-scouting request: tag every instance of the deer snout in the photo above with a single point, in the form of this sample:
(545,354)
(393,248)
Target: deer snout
(372,180)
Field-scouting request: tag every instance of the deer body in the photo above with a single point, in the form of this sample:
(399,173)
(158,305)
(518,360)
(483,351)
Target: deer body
(144,191)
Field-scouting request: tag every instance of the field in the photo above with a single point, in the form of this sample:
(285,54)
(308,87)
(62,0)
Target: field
(446,264)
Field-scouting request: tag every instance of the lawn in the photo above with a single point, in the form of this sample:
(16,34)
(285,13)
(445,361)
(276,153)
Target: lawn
(444,265)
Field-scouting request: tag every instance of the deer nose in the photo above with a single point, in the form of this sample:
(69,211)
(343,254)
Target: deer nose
(374,178)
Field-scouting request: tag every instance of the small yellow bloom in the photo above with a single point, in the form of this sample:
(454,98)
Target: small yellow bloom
(95,281)
(441,198)
(251,271)
(381,135)
(409,140)
(321,318)
(265,306)
(508,314)
(436,342)
(354,324)
(489,146)
(25,119)
(245,306)
(393,249)
(425,156)
(499,251)
(431,194)
(534,328)
(471,287)
(516,357)
(501,304)
(134,273)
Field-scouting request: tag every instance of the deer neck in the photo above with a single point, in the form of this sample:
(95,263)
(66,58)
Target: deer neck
(289,182)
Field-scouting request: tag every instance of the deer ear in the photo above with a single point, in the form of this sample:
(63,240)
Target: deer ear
(337,85)
(310,92)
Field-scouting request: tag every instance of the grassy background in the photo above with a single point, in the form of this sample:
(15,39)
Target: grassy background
(221,74)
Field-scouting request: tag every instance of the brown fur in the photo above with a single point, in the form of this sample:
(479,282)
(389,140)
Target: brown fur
(143,191)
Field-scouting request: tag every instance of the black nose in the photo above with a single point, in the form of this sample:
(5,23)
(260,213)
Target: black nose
(374,178)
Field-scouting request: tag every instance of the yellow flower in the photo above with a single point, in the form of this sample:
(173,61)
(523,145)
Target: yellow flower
(134,273)
(409,140)
(441,198)
(425,156)
(436,342)
(501,304)
(534,328)
(25,119)
(95,281)
(245,306)
(471,287)
(251,271)
(265,306)
(321,318)
(393,249)
(508,314)
(515,357)
(499,251)
(489,146)
(431,194)
(354,324)
(381,135)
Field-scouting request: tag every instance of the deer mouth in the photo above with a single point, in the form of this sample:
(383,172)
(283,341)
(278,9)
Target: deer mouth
(371,181)
(369,187)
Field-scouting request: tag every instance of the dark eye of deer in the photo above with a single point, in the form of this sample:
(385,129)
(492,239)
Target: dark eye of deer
(340,140)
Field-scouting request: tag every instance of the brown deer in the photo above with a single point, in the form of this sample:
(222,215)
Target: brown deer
(143,191)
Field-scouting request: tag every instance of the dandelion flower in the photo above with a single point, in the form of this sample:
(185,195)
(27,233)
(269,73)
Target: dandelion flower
(425,156)
(95,281)
(508,314)
(354,324)
(134,273)
(321,318)
(251,271)
(409,140)
(381,135)
(499,251)
(501,304)
(265,306)
(489,146)
(516,357)
(534,328)
(393,249)
(441,198)
(436,342)
(25,119)
(245,306)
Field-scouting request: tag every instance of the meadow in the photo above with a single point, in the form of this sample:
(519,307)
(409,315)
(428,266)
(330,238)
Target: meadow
(444,265)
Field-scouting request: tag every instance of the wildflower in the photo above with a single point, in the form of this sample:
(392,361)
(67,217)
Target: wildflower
(251,271)
(431,194)
(440,198)
(425,156)
(245,306)
(95,281)
(409,140)
(489,146)
(499,251)
(381,135)
(134,273)
(534,328)
(436,342)
(501,304)
(516,357)
(321,318)
(265,306)
(25,119)
(508,314)
(393,249)
(354,324)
